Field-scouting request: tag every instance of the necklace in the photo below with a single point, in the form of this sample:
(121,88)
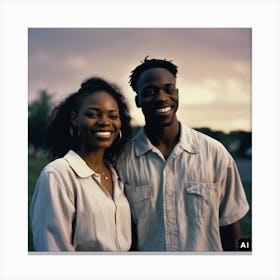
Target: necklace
(103,174)
(105,177)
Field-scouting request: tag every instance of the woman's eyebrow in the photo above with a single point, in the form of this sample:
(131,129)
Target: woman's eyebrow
(98,109)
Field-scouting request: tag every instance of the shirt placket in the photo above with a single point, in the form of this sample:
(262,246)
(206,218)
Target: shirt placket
(171,236)
(114,209)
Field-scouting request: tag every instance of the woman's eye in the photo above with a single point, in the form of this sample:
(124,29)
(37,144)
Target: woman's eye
(91,115)
(114,117)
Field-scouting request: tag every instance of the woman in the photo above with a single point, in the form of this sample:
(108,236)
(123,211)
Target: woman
(79,202)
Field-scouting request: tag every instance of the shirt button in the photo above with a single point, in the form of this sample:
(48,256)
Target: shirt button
(170,193)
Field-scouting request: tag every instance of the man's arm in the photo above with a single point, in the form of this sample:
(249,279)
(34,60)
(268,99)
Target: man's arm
(134,246)
(229,234)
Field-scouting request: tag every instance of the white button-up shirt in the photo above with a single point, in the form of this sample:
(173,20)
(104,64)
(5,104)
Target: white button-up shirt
(71,211)
(179,204)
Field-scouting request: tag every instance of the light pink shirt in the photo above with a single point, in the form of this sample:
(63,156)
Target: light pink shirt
(71,211)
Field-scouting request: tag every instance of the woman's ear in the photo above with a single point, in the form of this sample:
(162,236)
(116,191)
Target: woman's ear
(74,120)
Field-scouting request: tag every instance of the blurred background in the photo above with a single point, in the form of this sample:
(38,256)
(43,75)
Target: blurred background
(214,82)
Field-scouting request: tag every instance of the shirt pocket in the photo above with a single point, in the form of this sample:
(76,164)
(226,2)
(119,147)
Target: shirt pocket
(139,200)
(198,198)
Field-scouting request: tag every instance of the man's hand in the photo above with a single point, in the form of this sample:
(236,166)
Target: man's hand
(229,234)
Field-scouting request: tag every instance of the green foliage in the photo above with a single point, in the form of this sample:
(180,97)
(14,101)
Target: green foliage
(38,114)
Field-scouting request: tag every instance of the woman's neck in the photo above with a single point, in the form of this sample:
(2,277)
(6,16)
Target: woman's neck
(94,159)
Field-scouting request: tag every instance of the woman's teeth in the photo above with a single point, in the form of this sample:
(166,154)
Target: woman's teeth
(103,133)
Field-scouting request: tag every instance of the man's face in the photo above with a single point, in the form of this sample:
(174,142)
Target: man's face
(157,95)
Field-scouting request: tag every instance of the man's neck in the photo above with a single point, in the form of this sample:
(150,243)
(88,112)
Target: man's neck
(164,138)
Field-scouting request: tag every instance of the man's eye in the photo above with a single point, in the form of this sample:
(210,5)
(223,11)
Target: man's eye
(148,91)
(169,89)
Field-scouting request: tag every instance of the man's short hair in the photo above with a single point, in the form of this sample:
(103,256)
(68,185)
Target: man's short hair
(148,64)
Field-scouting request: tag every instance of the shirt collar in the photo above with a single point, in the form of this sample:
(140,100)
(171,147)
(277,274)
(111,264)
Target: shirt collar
(78,164)
(143,144)
(186,142)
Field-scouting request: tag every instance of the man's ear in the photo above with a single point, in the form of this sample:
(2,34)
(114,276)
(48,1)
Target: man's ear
(137,102)
(74,117)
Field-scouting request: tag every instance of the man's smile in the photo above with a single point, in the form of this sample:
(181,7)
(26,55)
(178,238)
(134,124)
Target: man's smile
(163,109)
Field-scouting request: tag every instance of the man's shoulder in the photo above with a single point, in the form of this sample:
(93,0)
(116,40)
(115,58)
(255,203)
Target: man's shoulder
(129,147)
(202,140)
(128,152)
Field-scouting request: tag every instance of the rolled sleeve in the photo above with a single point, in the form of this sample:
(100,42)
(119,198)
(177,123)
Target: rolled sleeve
(234,204)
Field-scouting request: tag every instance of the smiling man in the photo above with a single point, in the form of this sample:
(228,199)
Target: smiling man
(184,189)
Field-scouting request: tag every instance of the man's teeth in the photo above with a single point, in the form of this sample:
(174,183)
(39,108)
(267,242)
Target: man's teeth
(162,110)
(103,133)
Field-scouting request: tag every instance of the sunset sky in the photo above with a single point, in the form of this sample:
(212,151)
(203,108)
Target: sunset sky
(214,64)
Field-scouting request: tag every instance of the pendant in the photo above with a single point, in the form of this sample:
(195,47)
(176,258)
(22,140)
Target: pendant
(105,177)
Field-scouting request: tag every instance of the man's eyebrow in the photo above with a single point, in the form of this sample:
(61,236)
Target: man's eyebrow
(155,86)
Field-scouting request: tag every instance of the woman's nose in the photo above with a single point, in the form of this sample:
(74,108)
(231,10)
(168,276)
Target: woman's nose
(103,120)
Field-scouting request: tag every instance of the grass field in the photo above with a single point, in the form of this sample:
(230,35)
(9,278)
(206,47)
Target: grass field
(36,165)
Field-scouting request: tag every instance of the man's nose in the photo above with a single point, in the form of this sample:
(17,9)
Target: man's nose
(161,95)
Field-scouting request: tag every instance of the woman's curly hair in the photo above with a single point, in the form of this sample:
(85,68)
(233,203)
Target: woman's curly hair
(59,139)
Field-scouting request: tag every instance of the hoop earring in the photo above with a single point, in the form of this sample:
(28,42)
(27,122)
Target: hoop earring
(118,138)
(71,131)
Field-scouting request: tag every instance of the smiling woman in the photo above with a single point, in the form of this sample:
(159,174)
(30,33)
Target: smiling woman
(86,132)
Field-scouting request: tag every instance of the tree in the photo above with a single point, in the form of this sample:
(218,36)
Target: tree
(38,114)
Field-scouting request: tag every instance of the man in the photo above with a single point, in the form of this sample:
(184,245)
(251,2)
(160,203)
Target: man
(183,186)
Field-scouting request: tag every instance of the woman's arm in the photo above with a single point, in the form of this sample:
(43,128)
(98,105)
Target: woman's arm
(52,214)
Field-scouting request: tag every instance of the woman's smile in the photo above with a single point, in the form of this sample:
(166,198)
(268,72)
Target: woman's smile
(104,134)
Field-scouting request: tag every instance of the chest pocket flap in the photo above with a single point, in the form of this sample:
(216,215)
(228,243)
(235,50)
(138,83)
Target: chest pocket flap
(199,198)
(202,189)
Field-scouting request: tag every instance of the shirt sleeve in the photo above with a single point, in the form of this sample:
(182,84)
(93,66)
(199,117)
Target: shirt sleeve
(234,204)
(52,213)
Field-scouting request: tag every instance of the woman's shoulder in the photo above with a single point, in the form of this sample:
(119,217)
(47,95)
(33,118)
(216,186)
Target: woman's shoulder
(57,172)
(56,165)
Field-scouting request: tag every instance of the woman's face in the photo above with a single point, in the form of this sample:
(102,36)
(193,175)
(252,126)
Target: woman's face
(98,121)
